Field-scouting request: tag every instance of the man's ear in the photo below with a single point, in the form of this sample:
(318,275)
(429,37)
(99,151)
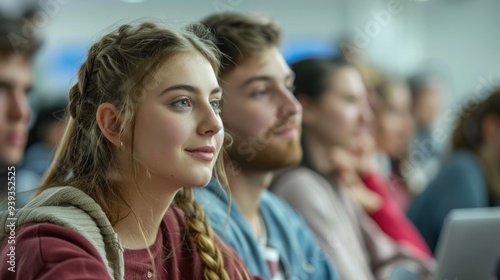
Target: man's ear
(109,121)
(308,109)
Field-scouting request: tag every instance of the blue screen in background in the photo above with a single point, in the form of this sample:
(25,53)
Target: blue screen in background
(295,49)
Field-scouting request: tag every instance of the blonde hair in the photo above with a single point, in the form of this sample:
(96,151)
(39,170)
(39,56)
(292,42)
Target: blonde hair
(117,69)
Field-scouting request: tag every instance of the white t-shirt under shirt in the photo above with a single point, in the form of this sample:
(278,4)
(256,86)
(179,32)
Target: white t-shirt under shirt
(271,254)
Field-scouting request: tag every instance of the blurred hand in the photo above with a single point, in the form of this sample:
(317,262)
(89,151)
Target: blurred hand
(347,166)
(342,162)
(369,200)
(363,154)
(358,160)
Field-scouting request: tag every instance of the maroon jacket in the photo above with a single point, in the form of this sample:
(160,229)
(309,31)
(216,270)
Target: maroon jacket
(48,251)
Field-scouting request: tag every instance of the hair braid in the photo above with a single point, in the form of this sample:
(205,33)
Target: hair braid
(201,233)
(78,91)
(118,69)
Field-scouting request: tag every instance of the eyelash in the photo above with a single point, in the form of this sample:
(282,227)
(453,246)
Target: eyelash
(217,108)
(175,104)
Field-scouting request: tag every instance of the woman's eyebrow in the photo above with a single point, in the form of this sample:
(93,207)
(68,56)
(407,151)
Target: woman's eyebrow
(189,88)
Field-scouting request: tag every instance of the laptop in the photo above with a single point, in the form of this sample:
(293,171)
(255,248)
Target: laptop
(469,245)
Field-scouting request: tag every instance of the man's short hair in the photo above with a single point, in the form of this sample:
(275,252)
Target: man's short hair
(12,39)
(239,37)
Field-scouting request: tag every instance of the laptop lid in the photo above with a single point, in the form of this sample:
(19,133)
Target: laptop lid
(469,244)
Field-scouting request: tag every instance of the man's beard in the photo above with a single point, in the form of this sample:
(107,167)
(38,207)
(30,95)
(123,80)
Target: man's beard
(266,152)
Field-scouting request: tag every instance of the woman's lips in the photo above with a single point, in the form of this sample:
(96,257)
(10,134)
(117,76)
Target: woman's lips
(205,153)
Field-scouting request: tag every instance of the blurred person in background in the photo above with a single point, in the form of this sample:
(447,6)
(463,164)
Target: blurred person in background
(45,135)
(470,176)
(43,139)
(336,115)
(16,82)
(393,131)
(426,150)
(264,118)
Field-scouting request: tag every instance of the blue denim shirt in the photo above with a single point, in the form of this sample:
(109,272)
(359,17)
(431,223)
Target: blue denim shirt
(300,255)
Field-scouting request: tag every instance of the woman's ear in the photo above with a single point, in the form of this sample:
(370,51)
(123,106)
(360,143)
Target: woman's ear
(109,121)
(308,109)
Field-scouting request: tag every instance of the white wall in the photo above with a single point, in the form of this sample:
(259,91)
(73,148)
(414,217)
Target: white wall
(458,36)
(77,22)
(465,37)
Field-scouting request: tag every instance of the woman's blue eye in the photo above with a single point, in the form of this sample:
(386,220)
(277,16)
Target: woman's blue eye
(183,103)
(216,105)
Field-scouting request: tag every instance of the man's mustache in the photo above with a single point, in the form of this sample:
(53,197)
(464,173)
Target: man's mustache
(287,124)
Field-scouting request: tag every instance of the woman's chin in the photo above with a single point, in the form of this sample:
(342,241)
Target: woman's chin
(201,181)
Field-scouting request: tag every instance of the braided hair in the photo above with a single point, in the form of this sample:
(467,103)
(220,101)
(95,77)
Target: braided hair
(116,71)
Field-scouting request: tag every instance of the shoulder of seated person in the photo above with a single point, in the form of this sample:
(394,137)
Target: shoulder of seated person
(298,174)
(463,159)
(49,251)
(51,235)
(283,214)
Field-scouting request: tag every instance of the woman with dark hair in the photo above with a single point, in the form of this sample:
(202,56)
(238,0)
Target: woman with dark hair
(336,114)
(470,177)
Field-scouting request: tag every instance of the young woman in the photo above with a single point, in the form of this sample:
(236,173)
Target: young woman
(143,128)
(336,114)
(367,167)
(393,131)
